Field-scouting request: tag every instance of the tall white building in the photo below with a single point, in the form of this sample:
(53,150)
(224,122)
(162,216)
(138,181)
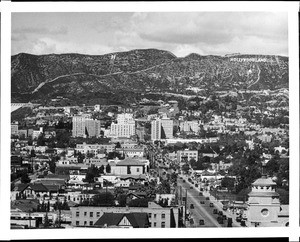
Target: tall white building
(156,130)
(189,126)
(125,126)
(162,129)
(85,127)
(167,128)
(125,118)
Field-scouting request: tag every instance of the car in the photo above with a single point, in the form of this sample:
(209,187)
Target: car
(196,185)
(207,198)
(201,189)
(224,217)
(191,206)
(191,187)
(215,211)
(225,208)
(238,219)
(200,194)
(183,180)
(211,205)
(202,202)
(220,213)
(201,222)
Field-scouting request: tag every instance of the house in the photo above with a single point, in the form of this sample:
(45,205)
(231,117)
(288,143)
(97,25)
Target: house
(32,190)
(123,220)
(128,166)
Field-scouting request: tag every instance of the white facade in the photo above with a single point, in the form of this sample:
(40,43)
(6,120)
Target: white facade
(82,124)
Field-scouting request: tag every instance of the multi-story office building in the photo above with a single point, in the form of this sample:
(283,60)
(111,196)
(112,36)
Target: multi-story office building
(162,129)
(125,126)
(85,127)
(125,118)
(156,130)
(122,130)
(189,126)
(167,128)
(159,217)
(92,127)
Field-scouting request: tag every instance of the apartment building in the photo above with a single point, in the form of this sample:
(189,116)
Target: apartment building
(183,155)
(159,217)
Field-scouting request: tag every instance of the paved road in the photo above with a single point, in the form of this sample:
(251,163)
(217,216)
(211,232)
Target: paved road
(200,211)
(204,211)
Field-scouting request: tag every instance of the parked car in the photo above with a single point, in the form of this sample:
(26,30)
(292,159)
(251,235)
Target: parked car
(200,194)
(215,211)
(211,205)
(220,213)
(201,222)
(191,187)
(238,219)
(207,198)
(202,202)
(224,217)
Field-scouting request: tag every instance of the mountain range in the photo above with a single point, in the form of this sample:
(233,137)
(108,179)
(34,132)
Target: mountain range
(122,76)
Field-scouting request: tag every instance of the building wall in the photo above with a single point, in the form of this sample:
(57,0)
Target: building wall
(189,153)
(167,126)
(122,130)
(87,216)
(155,130)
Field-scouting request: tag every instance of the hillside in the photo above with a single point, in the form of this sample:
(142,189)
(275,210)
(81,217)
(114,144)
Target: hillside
(121,77)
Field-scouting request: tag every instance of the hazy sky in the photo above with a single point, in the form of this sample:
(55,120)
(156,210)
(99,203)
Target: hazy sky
(181,33)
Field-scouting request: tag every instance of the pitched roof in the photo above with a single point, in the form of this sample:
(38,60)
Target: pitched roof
(37,187)
(137,220)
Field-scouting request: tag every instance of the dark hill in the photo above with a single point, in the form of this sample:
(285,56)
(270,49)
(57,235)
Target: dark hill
(111,76)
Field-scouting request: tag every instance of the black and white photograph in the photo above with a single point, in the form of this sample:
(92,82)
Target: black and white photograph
(151,120)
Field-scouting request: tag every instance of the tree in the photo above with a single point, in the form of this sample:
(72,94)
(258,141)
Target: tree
(101,169)
(228,183)
(185,168)
(103,199)
(25,178)
(108,168)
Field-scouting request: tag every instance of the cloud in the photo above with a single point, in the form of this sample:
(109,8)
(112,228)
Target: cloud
(42,30)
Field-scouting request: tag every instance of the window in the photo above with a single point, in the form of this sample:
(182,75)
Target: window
(91,214)
(163,215)
(163,224)
(154,224)
(85,223)
(91,223)
(98,214)
(149,215)
(155,215)
(85,213)
(77,214)
(137,169)
(77,223)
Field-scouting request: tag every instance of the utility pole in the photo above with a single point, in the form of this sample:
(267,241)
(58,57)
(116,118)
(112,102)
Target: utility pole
(185,205)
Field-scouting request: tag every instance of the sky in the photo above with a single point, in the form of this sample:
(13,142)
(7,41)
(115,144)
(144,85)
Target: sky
(182,33)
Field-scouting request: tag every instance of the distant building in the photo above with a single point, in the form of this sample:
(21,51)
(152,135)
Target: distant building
(85,127)
(162,129)
(14,129)
(186,155)
(125,126)
(159,217)
(189,126)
